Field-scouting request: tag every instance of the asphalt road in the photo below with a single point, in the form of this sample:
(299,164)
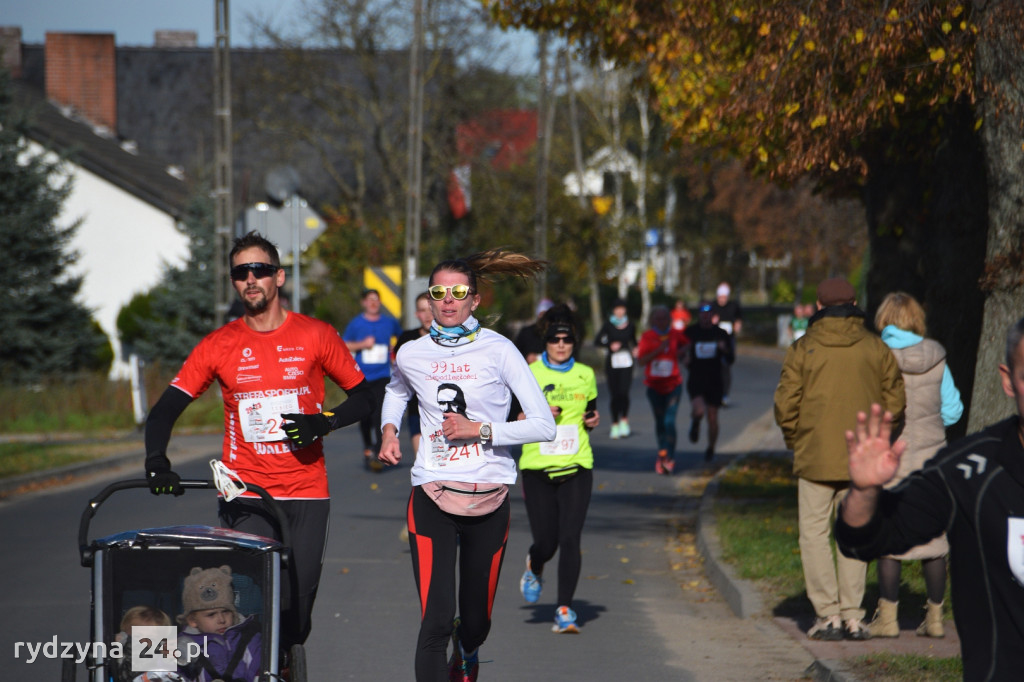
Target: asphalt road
(645,609)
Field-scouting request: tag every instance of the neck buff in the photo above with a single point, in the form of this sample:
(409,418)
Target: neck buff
(455,336)
(619,321)
(564,367)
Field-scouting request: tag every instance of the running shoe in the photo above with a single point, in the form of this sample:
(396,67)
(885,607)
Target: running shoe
(694,430)
(616,431)
(530,584)
(624,429)
(372,463)
(670,465)
(565,621)
(462,667)
(659,463)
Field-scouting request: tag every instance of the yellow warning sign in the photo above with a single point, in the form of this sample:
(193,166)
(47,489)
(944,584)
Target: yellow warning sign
(386,279)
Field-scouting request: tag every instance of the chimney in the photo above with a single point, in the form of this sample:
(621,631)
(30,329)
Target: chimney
(10,48)
(169,39)
(81,73)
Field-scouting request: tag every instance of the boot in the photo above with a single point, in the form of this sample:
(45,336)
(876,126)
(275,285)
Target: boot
(932,624)
(884,624)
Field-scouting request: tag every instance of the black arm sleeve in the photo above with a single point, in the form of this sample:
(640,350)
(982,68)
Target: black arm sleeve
(591,406)
(160,422)
(360,401)
(913,513)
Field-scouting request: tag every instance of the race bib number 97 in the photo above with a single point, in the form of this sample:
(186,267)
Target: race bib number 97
(566,442)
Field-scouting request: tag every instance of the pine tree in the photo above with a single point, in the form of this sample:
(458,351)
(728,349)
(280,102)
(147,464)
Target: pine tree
(165,323)
(46,331)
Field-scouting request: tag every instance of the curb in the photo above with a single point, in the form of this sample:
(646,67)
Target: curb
(744,600)
(742,596)
(829,671)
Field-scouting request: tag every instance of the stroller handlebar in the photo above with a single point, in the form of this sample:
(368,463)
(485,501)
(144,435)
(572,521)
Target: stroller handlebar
(94,504)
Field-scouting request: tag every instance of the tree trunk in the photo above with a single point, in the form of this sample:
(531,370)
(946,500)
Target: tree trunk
(927,219)
(999,62)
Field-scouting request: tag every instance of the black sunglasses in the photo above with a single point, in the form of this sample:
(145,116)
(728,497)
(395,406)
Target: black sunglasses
(568,340)
(240,273)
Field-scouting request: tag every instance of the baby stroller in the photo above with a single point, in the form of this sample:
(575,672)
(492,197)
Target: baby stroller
(149,566)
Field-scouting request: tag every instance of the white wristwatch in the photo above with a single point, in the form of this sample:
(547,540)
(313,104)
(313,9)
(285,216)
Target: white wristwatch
(485,432)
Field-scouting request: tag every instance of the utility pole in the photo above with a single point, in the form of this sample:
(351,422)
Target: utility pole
(413,198)
(223,192)
(540,226)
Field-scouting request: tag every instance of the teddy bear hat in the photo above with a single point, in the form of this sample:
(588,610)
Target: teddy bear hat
(206,589)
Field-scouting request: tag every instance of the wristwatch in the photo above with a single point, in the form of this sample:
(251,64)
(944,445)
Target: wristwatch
(485,432)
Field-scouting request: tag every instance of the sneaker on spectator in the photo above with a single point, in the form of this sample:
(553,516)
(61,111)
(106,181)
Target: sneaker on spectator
(624,429)
(565,621)
(616,431)
(530,584)
(855,629)
(828,629)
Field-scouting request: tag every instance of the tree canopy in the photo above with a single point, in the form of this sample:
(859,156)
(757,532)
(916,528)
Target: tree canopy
(791,88)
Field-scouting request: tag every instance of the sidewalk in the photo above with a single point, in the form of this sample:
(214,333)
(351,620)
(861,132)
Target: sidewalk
(833,660)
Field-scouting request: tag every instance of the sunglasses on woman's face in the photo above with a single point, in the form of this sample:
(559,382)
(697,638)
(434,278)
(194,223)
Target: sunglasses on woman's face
(240,273)
(567,340)
(459,292)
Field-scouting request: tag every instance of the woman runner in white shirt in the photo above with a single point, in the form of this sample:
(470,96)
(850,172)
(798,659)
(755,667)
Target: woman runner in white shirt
(464,376)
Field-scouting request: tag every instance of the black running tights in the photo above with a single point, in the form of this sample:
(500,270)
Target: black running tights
(557,510)
(436,539)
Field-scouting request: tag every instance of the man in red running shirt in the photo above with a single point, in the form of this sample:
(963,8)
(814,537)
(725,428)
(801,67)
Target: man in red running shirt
(270,364)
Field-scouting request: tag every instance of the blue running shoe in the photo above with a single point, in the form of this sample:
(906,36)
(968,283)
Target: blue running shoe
(530,584)
(462,667)
(565,621)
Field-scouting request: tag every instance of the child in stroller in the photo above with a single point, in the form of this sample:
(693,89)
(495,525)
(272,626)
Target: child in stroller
(145,615)
(230,643)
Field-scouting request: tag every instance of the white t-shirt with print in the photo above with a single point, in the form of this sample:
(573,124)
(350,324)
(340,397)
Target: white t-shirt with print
(478,379)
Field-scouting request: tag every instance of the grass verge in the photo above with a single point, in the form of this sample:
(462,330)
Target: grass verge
(756,516)
(23,458)
(55,424)
(907,668)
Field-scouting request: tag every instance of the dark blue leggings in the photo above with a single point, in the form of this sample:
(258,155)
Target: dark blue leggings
(619,382)
(557,509)
(665,406)
(437,539)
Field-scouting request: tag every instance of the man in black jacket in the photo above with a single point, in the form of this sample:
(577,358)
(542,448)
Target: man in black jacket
(974,491)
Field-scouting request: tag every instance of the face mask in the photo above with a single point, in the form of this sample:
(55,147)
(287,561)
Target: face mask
(618,321)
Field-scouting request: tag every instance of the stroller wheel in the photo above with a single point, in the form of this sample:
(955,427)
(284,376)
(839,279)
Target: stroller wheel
(67,671)
(297,664)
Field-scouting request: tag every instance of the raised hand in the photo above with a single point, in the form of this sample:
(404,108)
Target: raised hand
(873,459)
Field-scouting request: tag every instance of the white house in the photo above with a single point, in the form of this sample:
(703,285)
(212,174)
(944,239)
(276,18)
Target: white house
(128,206)
(605,161)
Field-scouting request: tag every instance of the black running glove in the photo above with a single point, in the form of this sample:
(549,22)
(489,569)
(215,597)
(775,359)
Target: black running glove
(162,481)
(304,429)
